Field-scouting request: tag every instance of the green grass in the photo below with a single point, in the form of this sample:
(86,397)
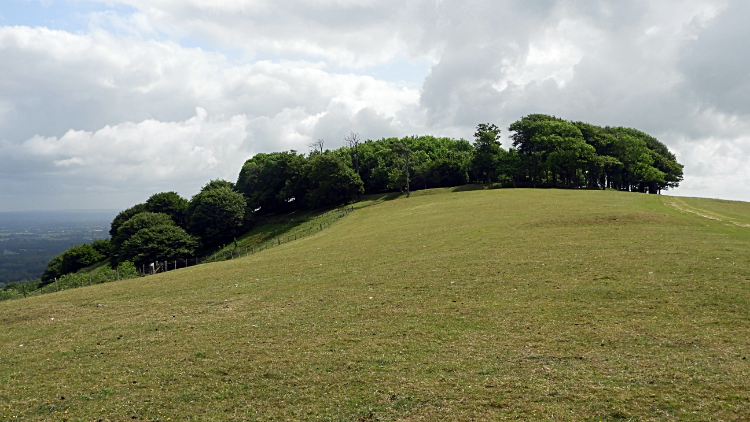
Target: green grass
(271,231)
(480,305)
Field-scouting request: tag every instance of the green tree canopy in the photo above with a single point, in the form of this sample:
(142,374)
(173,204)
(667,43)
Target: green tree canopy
(486,151)
(562,149)
(216,214)
(218,183)
(585,155)
(103,246)
(161,242)
(124,216)
(269,181)
(329,181)
(171,204)
(72,260)
(128,229)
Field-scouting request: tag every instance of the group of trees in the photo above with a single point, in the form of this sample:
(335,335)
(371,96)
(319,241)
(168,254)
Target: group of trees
(169,227)
(282,182)
(76,258)
(165,227)
(546,152)
(552,151)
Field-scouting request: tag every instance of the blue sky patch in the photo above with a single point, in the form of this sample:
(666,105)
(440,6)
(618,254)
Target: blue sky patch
(66,15)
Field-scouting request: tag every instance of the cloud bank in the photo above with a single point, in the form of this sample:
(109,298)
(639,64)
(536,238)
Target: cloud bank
(164,95)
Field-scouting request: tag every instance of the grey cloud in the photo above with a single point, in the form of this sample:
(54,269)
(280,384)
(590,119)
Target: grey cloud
(668,67)
(716,64)
(81,122)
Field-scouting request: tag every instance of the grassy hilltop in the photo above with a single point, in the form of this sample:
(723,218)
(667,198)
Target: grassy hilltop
(481,305)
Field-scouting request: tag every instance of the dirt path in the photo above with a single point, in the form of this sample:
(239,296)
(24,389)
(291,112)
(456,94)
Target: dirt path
(682,206)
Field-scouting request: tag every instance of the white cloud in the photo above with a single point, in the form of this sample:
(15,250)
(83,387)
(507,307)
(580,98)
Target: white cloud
(95,109)
(76,107)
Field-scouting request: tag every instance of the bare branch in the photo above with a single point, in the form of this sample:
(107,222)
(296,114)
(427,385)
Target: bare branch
(352,140)
(317,145)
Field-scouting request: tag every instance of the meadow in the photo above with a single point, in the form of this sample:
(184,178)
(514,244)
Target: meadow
(560,305)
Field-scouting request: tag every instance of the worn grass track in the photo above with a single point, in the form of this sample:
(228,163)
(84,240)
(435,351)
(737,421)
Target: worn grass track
(483,305)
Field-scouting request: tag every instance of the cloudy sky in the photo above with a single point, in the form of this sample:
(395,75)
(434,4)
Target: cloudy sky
(104,102)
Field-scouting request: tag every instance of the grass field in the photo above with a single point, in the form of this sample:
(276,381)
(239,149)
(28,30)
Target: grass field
(482,305)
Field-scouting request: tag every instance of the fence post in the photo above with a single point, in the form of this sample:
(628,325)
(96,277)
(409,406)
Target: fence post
(89,279)
(253,249)
(57,286)
(117,273)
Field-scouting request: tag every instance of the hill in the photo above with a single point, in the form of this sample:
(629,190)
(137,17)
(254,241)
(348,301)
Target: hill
(481,305)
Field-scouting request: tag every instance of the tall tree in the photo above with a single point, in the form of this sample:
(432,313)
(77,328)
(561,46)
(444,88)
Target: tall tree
(329,181)
(352,141)
(131,227)
(523,133)
(486,151)
(562,150)
(508,166)
(161,242)
(401,176)
(268,181)
(316,146)
(216,214)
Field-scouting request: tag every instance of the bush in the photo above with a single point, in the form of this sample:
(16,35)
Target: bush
(158,243)
(138,222)
(72,260)
(216,214)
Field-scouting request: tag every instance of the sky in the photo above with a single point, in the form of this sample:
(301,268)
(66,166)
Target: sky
(105,102)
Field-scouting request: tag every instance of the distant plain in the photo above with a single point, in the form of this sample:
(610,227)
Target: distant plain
(30,239)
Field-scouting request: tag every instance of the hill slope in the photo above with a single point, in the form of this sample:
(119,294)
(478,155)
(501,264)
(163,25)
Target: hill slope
(483,305)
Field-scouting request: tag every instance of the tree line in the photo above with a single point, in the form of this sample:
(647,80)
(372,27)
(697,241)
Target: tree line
(546,151)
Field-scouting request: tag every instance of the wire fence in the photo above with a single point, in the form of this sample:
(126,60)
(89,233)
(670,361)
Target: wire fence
(306,229)
(124,271)
(127,270)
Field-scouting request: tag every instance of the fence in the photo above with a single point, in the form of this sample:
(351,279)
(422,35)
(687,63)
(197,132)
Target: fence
(124,271)
(315,225)
(127,270)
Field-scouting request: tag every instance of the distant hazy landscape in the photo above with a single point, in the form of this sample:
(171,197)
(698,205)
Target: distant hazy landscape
(29,239)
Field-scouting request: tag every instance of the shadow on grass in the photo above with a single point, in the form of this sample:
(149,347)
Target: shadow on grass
(467,188)
(279,229)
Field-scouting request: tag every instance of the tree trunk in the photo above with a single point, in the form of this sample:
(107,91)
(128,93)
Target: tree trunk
(408,192)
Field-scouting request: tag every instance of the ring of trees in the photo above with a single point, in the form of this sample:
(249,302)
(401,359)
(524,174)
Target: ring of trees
(546,151)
